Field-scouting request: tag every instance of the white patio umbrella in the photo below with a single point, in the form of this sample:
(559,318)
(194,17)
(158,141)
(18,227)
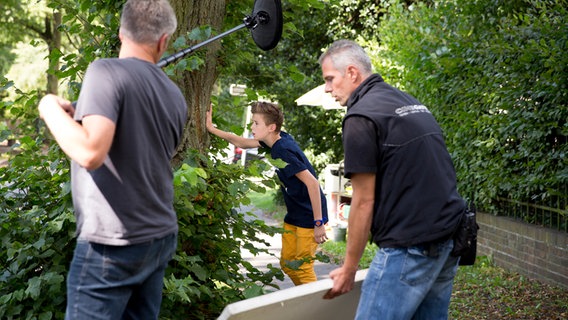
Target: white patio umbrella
(318,97)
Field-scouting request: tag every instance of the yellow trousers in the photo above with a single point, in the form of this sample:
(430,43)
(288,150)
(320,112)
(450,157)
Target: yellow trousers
(298,244)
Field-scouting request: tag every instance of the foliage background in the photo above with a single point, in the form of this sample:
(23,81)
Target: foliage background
(492,72)
(495,74)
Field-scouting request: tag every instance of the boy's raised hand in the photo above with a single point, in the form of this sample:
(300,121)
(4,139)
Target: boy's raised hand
(209,118)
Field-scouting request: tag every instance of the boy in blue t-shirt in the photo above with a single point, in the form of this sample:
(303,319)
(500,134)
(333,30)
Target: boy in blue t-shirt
(306,216)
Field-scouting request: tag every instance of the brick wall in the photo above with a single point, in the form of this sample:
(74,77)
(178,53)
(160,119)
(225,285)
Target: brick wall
(536,252)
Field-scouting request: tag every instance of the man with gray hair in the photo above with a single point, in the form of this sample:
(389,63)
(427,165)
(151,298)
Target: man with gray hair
(121,137)
(404,193)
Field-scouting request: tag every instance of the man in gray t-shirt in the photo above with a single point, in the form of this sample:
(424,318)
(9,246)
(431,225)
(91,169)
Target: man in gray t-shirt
(133,188)
(121,137)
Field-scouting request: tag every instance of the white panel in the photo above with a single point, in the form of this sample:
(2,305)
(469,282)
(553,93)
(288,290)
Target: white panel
(300,302)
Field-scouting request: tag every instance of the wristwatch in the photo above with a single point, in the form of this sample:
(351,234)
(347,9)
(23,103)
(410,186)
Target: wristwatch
(318,223)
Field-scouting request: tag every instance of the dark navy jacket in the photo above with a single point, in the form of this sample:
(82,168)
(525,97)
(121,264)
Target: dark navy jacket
(296,196)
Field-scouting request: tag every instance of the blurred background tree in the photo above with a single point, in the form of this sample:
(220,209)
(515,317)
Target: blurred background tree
(492,72)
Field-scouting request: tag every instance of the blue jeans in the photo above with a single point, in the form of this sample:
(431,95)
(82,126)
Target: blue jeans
(409,283)
(118,282)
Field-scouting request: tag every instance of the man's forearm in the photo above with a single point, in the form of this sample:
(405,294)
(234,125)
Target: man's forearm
(360,219)
(68,133)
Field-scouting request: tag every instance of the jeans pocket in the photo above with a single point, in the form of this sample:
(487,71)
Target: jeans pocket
(417,267)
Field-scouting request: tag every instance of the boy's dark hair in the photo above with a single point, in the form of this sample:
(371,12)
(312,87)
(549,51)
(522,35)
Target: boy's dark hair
(270,112)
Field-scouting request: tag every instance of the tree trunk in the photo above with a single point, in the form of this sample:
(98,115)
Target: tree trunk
(53,40)
(198,85)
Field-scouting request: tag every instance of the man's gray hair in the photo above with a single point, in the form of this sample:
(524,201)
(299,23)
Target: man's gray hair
(346,52)
(145,21)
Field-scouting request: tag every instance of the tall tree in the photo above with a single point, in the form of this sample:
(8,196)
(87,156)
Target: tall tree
(197,85)
(22,21)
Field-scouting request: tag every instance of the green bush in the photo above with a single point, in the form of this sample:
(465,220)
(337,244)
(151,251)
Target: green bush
(495,75)
(208,271)
(36,221)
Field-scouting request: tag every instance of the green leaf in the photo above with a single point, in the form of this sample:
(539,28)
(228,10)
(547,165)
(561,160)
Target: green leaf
(253,291)
(200,33)
(199,272)
(34,287)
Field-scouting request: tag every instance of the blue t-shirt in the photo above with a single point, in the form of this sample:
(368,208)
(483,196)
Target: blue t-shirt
(295,192)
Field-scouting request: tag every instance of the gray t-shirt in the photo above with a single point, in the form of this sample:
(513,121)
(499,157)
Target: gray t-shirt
(129,199)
